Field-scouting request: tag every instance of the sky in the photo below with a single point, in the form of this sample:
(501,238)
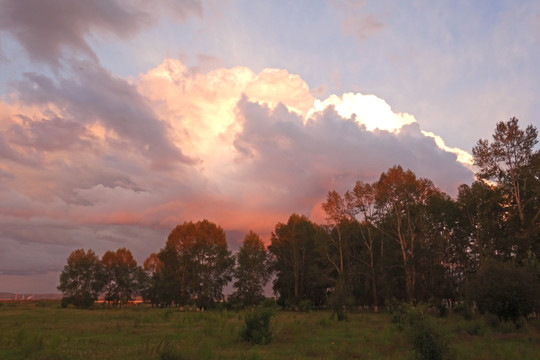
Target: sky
(120,119)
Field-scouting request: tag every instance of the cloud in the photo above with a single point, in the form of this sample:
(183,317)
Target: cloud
(368,110)
(96,161)
(356,21)
(50,30)
(332,152)
(97,97)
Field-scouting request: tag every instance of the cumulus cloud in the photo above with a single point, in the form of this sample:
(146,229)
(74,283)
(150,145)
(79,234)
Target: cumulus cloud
(101,162)
(368,110)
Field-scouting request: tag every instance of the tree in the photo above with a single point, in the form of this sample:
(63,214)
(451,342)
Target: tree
(361,203)
(401,198)
(298,262)
(204,263)
(82,279)
(152,267)
(482,223)
(336,213)
(252,271)
(167,281)
(511,162)
(505,290)
(123,276)
(503,161)
(442,254)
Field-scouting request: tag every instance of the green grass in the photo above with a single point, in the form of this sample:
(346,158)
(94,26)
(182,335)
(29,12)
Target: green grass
(46,331)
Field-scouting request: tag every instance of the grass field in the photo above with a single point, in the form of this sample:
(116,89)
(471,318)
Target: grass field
(43,330)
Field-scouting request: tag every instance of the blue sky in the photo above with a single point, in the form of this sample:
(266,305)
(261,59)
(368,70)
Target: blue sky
(120,119)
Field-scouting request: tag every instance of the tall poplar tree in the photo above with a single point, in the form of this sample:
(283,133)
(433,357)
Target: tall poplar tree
(252,271)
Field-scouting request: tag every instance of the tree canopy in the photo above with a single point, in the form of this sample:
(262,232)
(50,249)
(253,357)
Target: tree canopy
(82,279)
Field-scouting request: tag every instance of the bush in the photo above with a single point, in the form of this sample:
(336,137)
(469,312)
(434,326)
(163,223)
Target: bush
(305,305)
(504,290)
(79,301)
(441,308)
(427,342)
(257,326)
(339,300)
(463,310)
(269,303)
(170,354)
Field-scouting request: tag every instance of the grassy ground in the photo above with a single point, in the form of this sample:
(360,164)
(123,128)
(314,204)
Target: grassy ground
(43,330)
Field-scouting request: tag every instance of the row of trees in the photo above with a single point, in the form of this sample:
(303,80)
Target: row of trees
(192,268)
(402,238)
(85,277)
(399,237)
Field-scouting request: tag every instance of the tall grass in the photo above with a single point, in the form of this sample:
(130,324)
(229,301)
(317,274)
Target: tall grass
(32,331)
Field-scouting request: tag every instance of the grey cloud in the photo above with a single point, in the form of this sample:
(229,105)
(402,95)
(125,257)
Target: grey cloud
(50,30)
(96,95)
(49,134)
(178,9)
(306,161)
(46,29)
(71,178)
(39,246)
(6,151)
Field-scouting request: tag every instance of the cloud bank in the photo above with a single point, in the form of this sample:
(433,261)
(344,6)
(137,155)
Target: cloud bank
(96,161)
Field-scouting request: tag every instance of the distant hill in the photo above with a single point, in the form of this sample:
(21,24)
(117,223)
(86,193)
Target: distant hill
(12,296)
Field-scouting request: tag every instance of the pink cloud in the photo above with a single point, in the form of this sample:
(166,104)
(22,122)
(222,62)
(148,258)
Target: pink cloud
(80,169)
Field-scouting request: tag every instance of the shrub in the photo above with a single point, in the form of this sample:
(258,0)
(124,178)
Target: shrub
(305,305)
(463,310)
(504,290)
(428,343)
(257,326)
(269,303)
(169,354)
(339,300)
(441,308)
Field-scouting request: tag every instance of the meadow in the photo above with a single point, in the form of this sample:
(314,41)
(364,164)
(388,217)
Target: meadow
(44,330)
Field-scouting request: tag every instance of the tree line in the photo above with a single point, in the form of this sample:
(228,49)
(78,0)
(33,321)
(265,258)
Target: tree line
(399,238)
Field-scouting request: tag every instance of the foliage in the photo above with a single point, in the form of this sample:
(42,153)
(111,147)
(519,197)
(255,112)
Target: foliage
(340,300)
(82,279)
(463,310)
(197,262)
(252,271)
(298,262)
(257,326)
(505,290)
(512,163)
(124,278)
